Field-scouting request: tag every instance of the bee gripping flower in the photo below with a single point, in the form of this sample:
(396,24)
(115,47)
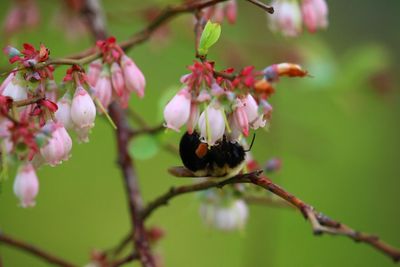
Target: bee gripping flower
(26,185)
(177,111)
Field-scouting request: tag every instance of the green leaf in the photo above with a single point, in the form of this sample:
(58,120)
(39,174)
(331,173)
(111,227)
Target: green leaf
(209,37)
(144,147)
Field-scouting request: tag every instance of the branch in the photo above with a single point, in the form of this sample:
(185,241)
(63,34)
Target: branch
(6,239)
(267,8)
(93,14)
(320,223)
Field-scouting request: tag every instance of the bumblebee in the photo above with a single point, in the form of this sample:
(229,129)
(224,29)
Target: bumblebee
(224,159)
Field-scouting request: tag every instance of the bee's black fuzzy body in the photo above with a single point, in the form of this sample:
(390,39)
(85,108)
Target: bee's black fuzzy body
(224,159)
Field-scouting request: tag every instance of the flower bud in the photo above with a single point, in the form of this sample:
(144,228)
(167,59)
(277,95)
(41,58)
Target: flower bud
(13,21)
(94,71)
(117,79)
(212,124)
(315,14)
(63,114)
(134,79)
(26,185)
(103,89)
(83,111)
(177,111)
(231,11)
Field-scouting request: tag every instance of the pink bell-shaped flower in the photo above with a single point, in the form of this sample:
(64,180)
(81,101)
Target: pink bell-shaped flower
(286,18)
(103,89)
(94,71)
(117,79)
(315,14)
(58,146)
(26,185)
(83,112)
(134,78)
(63,113)
(177,111)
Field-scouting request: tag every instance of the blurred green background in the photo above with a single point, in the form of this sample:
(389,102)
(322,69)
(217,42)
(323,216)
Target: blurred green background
(337,134)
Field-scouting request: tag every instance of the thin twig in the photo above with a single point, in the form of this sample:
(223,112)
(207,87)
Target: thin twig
(46,256)
(267,8)
(131,257)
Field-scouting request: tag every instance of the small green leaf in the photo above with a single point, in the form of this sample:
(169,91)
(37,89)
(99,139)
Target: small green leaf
(144,147)
(209,37)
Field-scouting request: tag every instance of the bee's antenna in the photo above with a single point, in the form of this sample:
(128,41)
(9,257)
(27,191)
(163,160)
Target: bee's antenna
(251,144)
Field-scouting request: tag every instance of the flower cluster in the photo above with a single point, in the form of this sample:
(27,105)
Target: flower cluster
(223,104)
(37,115)
(290,15)
(115,76)
(218,12)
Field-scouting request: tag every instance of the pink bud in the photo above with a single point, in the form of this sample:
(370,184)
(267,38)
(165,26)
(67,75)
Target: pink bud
(58,146)
(26,185)
(32,15)
(117,79)
(15,91)
(231,11)
(216,123)
(218,15)
(315,14)
(13,21)
(94,71)
(239,114)
(286,18)
(103,89)
(134,79)
(193,117)
(177,111)
(6,82)
(63,113)
(83,110)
